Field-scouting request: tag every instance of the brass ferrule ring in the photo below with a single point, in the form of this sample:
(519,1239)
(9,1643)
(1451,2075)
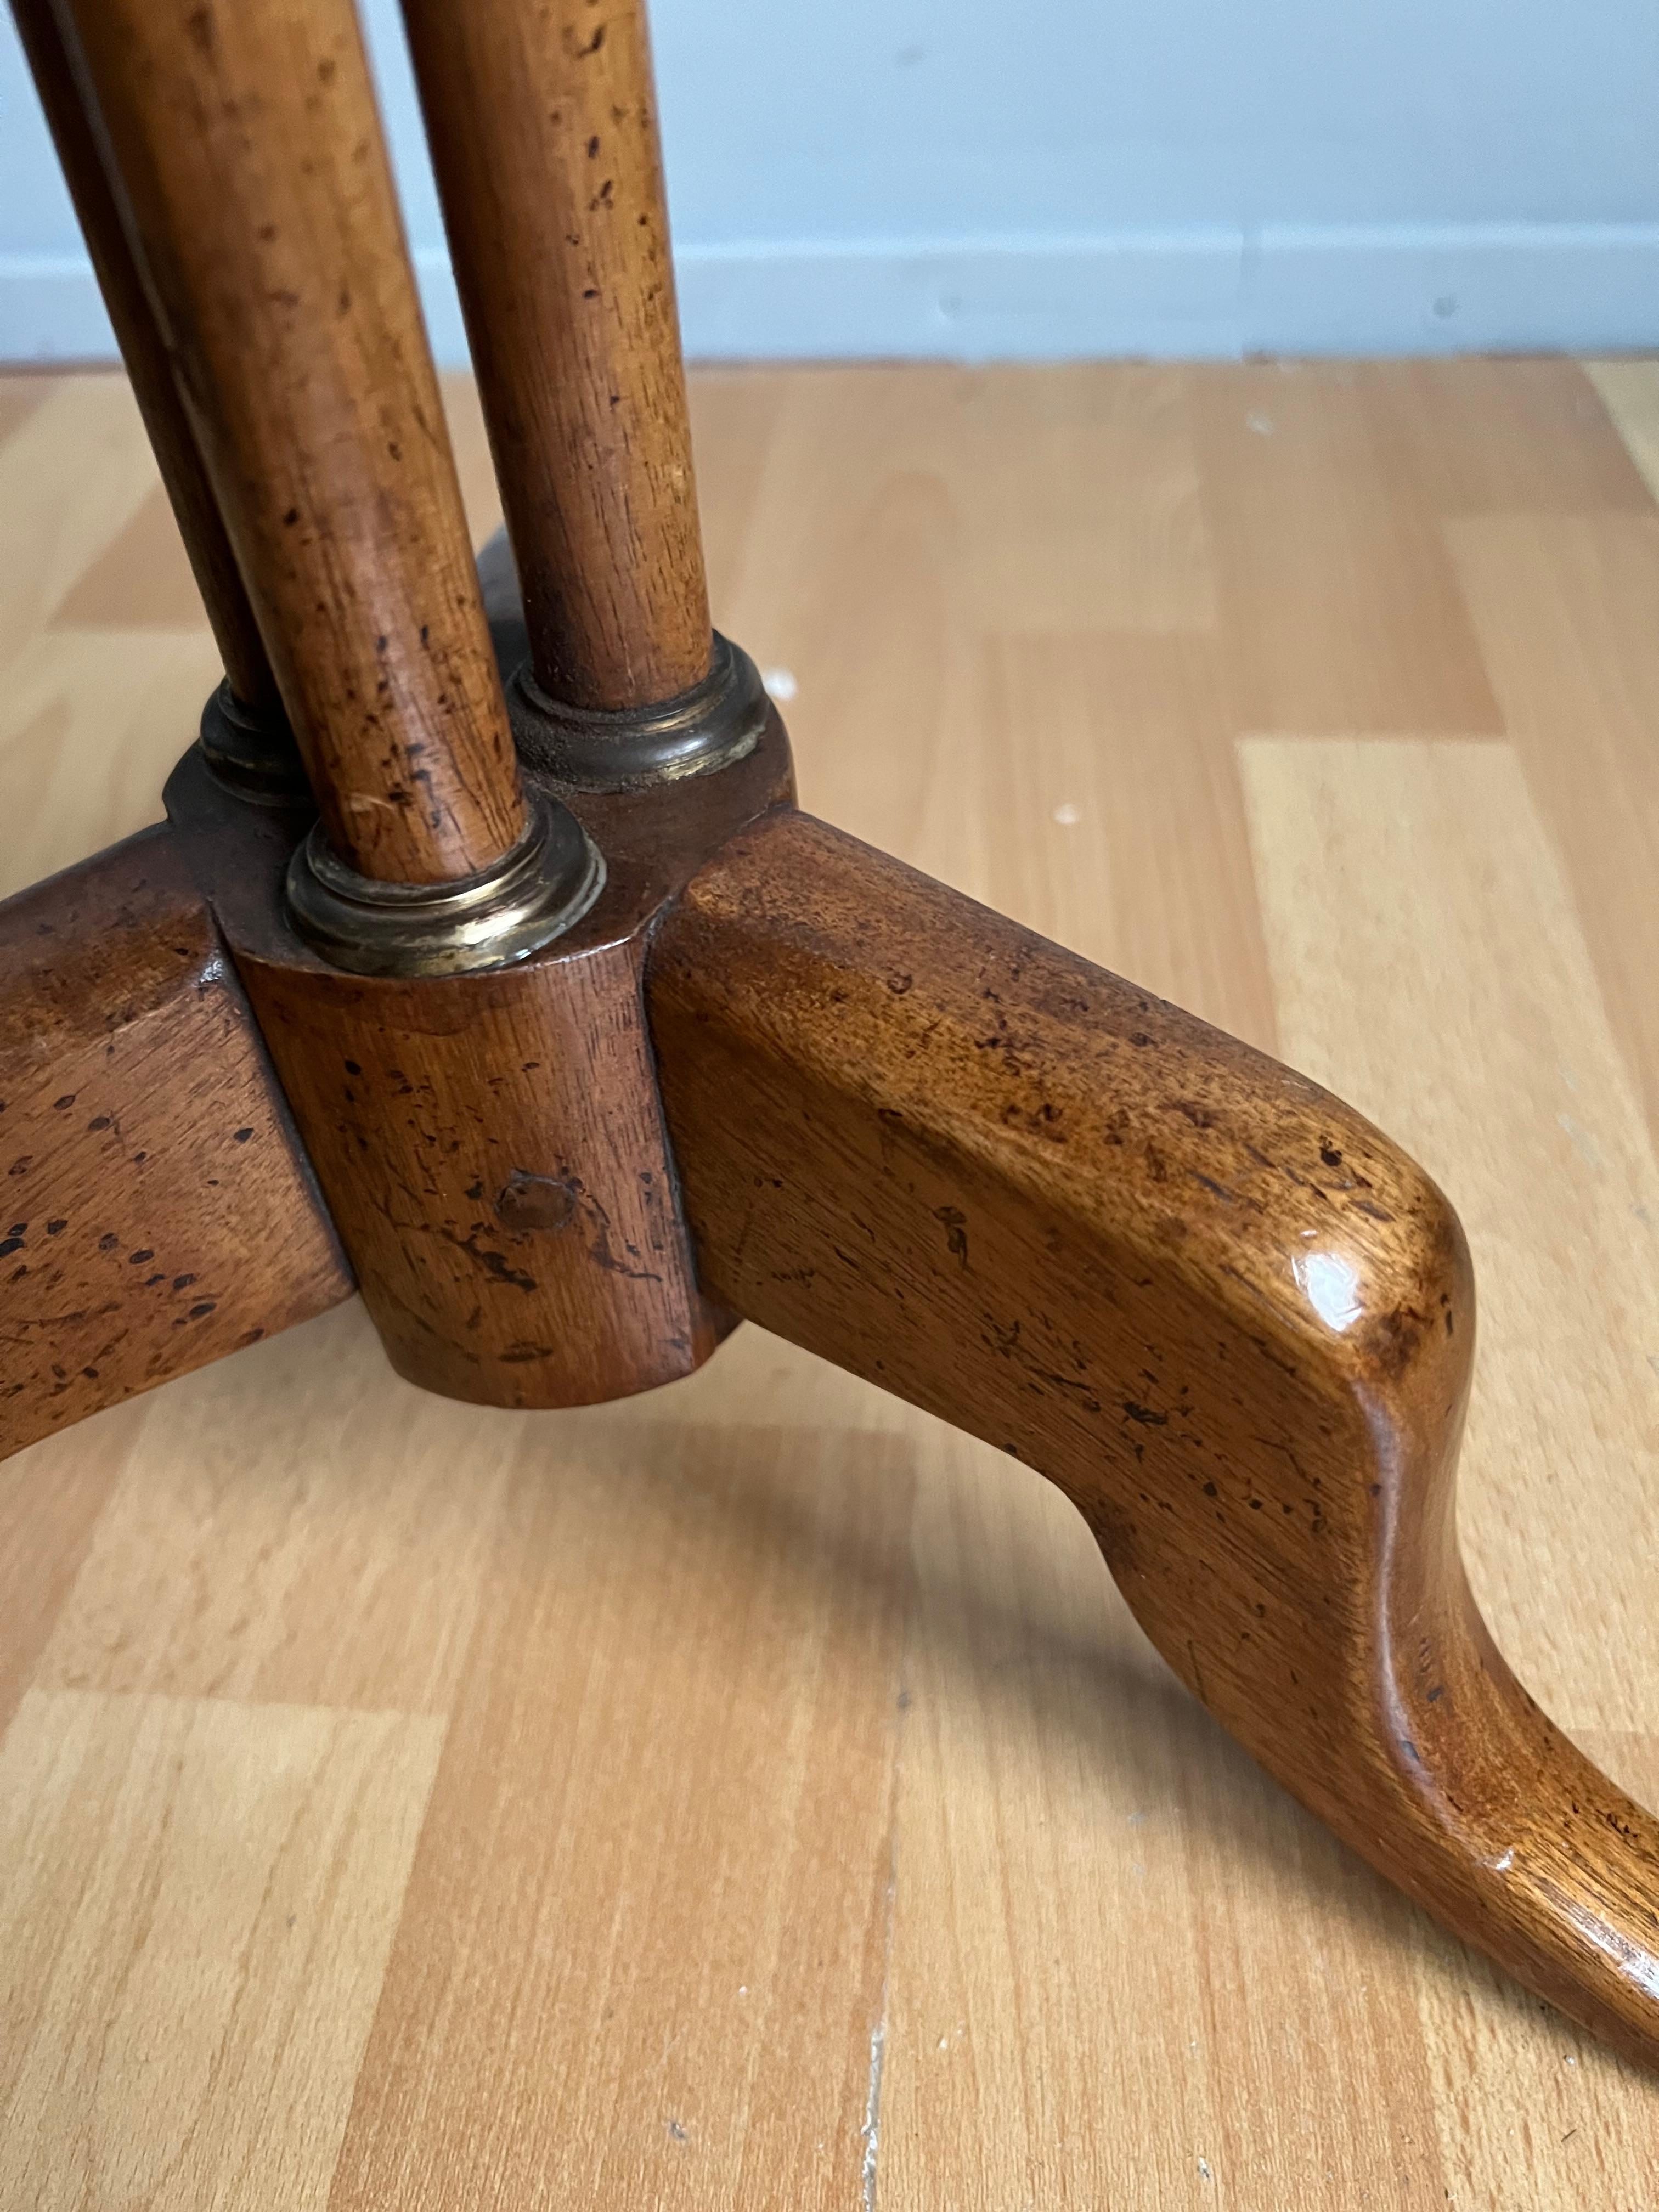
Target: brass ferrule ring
(537,890)
(251,754)
(718,721)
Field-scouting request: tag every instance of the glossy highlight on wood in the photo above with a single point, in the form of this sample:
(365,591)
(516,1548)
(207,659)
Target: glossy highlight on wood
(1228,1317)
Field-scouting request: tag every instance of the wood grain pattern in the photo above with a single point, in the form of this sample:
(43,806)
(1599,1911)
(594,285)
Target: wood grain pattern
(348,1561)
(90,723)
(544,132)
(1339,610)
(495,1154)
(1533,1128)
(212,1886)
(1231,1320)
(916,553)
(1391,876)
(492,1145)
(1524,2108)
(475,466)
(749,1893)
(1214,1964)
(21,393)
(1561,607)
(1324,2094)
(143,579)
(51,1497)
(145,355)
(159,1212)
(1629,390)
(1127,790)
(238,1557)
(1104,474)
(251,158)
(1503,437)
(52,518)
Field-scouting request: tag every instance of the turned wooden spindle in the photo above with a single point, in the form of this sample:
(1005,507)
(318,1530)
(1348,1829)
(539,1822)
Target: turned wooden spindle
(544,133)
(259,199)
(247,665)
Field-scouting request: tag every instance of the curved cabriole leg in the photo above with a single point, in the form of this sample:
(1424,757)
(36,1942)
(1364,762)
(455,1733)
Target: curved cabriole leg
(1228,1317)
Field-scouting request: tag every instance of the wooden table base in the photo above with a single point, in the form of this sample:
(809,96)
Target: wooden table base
(933,1813)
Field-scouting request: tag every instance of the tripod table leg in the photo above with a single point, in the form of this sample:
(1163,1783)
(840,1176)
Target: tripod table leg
(1223,1312)
(158,1210)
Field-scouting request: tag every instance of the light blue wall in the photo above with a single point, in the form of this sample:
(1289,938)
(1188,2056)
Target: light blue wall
(953,177)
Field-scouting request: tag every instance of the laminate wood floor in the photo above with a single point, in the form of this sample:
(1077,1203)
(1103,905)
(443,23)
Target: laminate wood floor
(756,1795)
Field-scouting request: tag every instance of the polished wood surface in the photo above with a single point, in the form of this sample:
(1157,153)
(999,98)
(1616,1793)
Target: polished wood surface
(544,132)
(492,1146)
(1230,1319)
(252,166)
(963,1899)
(159,1211)
(212,562)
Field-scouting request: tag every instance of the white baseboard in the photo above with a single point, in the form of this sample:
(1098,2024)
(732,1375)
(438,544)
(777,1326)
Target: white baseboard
(1203,294)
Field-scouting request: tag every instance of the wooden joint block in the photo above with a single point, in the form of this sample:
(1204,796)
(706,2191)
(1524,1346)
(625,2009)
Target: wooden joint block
(492,1145)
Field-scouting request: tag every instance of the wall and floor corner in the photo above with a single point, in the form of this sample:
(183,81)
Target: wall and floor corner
(1171,178)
